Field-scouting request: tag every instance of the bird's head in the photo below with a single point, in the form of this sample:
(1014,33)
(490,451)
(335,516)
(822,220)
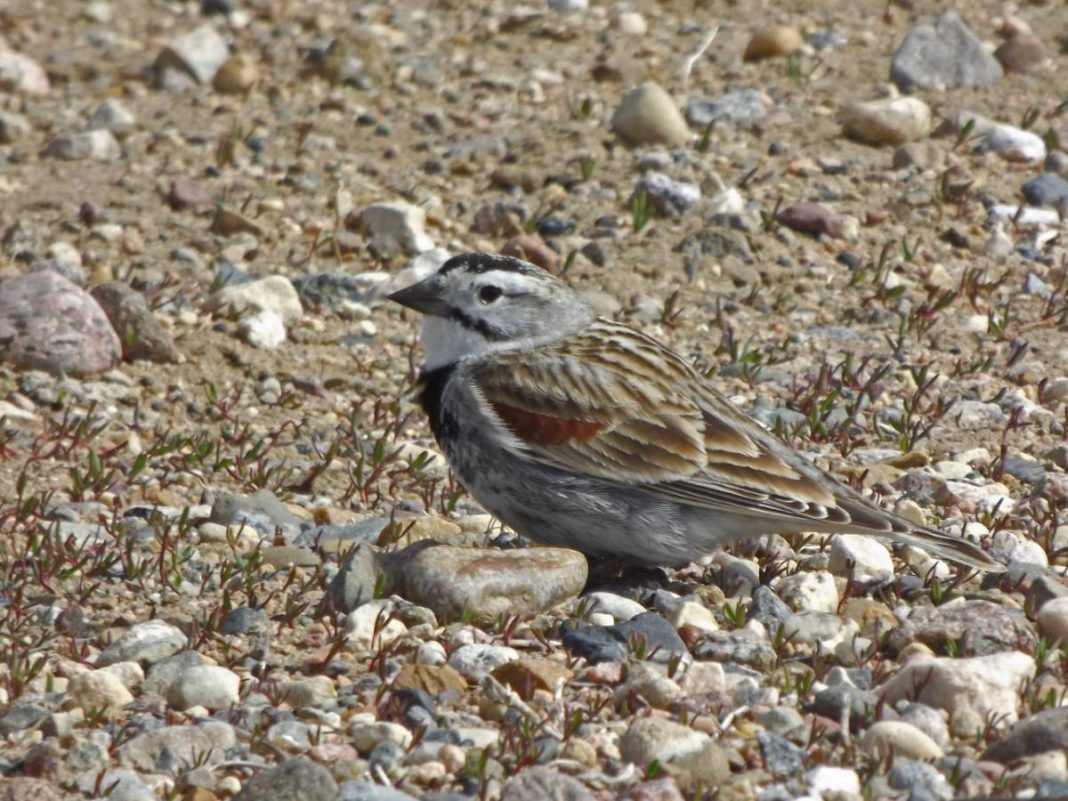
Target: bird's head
(478,303)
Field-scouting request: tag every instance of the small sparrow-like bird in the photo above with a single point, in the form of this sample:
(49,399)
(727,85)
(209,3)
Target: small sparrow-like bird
(582,432)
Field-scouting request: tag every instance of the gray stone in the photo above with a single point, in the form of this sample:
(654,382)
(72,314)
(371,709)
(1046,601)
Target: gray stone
(544,784)
(261,511)
(163,673)
(210,686)
(945,55)
(146,642)
(141,334)
(197,55)
(487,583)
(369,791)
(21,74)
(121,784)
(48,323)
(244,619)
(293,780)
(1044,731)
(357,579)
(1046,189)
(96,145)
(667,196)
(976,627)
(112,115)
(717,242)
(742,646)
(175,748)
(13,127)
(741,108)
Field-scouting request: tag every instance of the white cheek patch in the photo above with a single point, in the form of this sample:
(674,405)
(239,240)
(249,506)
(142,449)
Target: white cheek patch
(446,341)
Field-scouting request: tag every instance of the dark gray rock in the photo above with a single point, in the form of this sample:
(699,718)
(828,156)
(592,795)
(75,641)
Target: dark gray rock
(832,703)
(1044,731)
(945,55)
(782,758)
(742,646)
(369,791)
(978,627)
(544,784)
(356,580)
(1046,189)
(717,242)
(141,335)
(294,780)
(243,619)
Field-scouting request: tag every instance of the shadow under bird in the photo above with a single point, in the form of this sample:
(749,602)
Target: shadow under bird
(583,432)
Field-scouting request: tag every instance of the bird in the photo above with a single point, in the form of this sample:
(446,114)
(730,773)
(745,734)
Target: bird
(583,432)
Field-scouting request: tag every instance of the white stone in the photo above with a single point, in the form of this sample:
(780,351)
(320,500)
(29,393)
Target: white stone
(647,115)
(864,556)
(99,690)
(274,293)
(21,74)
(900,739)
(632,23)
(210,686)
(431,653)
(1053,619)
(1024,219)
(617,606)
(112,115)
(889,121)
(811,592)
(649,739)
(983,685)
(833,784)
(148,642)
(396,227)
(91,145)
(360,625)
(198,53)
(726,201)
(263,329)
(312,691)
(1016,548)
(1013,144)
(476,661)
(695,615)
(129,673)
(365,736)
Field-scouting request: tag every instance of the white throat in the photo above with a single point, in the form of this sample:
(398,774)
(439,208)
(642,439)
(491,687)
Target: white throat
(446,341)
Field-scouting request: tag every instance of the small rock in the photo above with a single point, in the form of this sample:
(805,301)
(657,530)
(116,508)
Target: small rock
(1013,144)
(196,55)
(530,674)
(13,127)
(101,690)
(141,334)
(889,121)
(921,155)
(237,75)
(1053,619)
(373,625)
(1046,189)
(773,42)
(21,74)
(313,691)
(946,55)
(833,783)
(893,737)
(476,661)
(260,511)
(96,145)
(544,784)
(810,218)
(1038,733)
(146,643)
(356,579)
(291,780)
(532,248)
(369,791)
(434,679)
(112,115)
(25,788)
(395,228)
(647,115)
(861,556)
(263,329)
(274,293)
(488,583)
(1021,53)
(741,109)
(814,592)
(982,685)
(617,606)
(203,744)
(667,196)
(976,627)
(209,686)
(743,647)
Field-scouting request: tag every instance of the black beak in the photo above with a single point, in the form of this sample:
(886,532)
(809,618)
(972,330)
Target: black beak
(424,296)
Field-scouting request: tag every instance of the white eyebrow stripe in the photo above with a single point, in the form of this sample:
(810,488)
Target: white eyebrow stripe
(509,282)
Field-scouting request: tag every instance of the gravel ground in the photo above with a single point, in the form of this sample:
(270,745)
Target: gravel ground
(235,566)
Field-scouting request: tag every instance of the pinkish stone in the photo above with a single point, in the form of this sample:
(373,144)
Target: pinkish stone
(48,323)
(810,218)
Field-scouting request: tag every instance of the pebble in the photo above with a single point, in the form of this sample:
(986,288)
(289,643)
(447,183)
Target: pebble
(263,329)
(209,686)
(529,674)
(532,248)
(372,625)
(1013,144)
(981,685)
(773,42)
(861,555)
(922,781)
(369,791)
(274,293)
(544,784)
(830,782)
(314,691)
(1022,53)
(293,779)
(431,677)
(672,744)
(113,115)
(261,511)
(647,115)
(669,197)
(976,627)
(196,55)
(487,583)
(743,647)
(810,591)
(237,75)
(20,73)
(146,642)
(1046,189)
(101,690)
(810,218)
(946,55)
(889,121)
(476,661)
(357,578)
(366,736)
(13,126)
(1041,732)
(1052,619)
(741,108)
(98,145)
(139,331)
(204,743)
(900,739)
(395,228)
(617,606)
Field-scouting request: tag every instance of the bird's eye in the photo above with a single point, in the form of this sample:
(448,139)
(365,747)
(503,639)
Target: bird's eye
(489,293)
